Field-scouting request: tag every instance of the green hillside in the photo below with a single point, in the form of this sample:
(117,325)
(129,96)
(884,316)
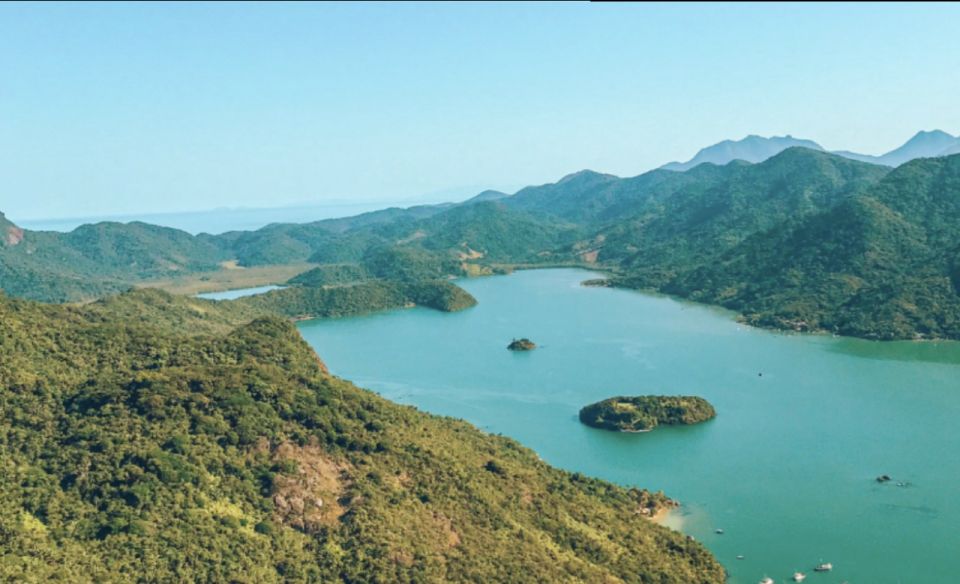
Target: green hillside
(157,438)
(698,223)
(805,240)
(491,228)
(303,302)
(883,264)
(331,275)
(99,259)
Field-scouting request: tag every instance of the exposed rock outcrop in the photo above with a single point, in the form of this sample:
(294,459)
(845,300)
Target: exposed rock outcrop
(10,234)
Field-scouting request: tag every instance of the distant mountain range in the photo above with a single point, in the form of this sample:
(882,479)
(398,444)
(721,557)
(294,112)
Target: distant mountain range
(215,423)
(758,148)
(922,145)
(880,249)
(750,149)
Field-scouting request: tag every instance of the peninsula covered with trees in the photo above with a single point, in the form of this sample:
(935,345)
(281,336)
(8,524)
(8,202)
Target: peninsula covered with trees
(176,439)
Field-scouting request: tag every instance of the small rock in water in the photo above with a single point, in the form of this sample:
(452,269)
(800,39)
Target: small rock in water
(522,345)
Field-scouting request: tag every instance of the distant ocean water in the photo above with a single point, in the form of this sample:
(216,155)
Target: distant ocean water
(217,221)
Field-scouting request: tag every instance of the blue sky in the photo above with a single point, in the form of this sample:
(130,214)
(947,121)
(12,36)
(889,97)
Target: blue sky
(116,109)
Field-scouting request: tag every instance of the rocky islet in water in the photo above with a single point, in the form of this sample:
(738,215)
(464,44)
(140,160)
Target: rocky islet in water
(523,344)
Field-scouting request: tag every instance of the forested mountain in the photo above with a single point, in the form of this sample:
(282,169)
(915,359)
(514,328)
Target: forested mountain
(882,264)
(757,149)
(498,231)
(695,225)
(922,145)
(200,440)
(588,198)
(684,233)
(94,260)
(150,437)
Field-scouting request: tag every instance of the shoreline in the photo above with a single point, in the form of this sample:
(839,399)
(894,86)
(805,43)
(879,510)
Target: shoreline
(227,279)
(743,319)
(661,515)
(231,278)
(670,518)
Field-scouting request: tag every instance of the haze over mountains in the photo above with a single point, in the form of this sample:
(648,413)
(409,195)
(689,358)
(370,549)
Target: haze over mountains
(753,148)
(922,145)
(758,148)
(680,232)
(211,415)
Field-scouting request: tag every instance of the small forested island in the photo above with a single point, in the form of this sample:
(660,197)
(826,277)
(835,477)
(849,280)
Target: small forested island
(646,412)
(522,345)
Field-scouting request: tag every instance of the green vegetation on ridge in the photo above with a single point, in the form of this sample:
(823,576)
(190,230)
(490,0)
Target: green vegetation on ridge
(881,264)
(331,275)
(151,437)
(644,413)
(302,302)
(805,240)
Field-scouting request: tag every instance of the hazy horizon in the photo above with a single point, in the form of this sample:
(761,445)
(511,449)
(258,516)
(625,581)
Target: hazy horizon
(328,209)
(218,220)
(144,109)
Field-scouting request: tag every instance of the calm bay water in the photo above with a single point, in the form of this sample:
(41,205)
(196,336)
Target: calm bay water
(240,293)
(805,423)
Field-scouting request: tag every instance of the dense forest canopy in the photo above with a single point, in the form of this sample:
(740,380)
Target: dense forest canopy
(152,437)
(805,240)
(646,412)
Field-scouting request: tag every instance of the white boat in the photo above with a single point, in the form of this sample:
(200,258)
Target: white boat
(799,576)
(766,580)
(823,567)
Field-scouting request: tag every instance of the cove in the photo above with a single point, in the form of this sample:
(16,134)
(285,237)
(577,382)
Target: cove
(239,293)
(805,422)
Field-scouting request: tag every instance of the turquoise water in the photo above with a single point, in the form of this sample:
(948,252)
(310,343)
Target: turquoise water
(786,469)
(234,294)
